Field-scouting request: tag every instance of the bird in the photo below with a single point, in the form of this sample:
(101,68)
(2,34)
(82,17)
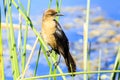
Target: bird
(54,36)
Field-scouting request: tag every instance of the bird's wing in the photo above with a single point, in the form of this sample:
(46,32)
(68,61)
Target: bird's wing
(61,38)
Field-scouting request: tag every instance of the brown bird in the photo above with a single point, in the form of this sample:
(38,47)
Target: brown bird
(54,36)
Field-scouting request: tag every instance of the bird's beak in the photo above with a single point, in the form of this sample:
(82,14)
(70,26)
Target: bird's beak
(58,14)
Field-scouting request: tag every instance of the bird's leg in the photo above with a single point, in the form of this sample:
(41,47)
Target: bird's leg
(57,62)
(48,52)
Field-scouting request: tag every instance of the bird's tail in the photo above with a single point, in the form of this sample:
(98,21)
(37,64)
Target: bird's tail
(70,62)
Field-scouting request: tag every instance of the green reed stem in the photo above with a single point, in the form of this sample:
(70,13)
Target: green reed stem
(20,49)
(88,59)
(29,59)
(57,7)
(85,50)
(22,7)
(99,65)
(20,35)
(50,3)
(25,37)
(55,69)
(76,73)
(38,57)
(119,75)
(16,71)
(117,64)
(9,44)
(2,75)
(5,6)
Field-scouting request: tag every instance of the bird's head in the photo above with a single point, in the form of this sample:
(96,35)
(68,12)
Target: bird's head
(51,13)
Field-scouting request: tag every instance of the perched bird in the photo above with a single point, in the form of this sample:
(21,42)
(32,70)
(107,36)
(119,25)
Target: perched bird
(54,36)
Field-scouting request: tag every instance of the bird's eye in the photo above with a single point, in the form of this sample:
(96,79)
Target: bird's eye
(52,14)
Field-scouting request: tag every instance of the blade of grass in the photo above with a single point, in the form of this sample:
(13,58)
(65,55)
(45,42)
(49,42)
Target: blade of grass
(117,64)
(99,65)
(25,37)
(38,57)
(50,72)
(22,7)
(23,54)
(29,59)
(88,62)
(23,50)
(20,35)
(9,44)
(58,9)
(85,50)
(60,4)
(5,6)
(77,73)
(49,5)
(16,71)
(55,69)
(2,75)
(119,75)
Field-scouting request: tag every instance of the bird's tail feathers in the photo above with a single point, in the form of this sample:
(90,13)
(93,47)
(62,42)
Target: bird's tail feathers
(70,63)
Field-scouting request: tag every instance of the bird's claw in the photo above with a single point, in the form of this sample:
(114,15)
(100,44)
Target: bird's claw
(48,52)
(56,64)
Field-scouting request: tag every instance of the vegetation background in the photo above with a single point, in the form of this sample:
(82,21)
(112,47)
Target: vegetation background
(93,30)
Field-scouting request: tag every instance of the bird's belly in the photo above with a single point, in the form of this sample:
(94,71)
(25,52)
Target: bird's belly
(47,33)
(50,40)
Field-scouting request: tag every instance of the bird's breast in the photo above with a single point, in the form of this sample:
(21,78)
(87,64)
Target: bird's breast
(48,29)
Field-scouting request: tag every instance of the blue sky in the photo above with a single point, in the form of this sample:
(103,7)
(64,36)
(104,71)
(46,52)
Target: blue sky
(110,7)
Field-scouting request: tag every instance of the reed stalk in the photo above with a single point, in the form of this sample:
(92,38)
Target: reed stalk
(2,75)
(37,61)
(29,59)
(85,50)
(49,4)
(88,58)
(99,65)
(20,35)
(14,58)
(25,37)
(5,6)
(9,43)
(76,73)
(117,65)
